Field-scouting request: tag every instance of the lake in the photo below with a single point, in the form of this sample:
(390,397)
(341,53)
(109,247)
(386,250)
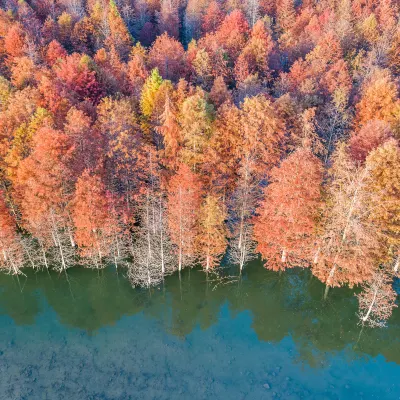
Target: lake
(264,336)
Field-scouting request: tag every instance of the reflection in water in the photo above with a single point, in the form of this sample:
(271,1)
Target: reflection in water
(263,336)
(280,305)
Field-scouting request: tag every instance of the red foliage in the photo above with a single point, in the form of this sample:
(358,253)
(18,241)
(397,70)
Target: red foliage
(168,55)
(55,52)
(369,137)
(286,221)
(212,18)
(94,225)
(184,200)
(14,41)
(77,81)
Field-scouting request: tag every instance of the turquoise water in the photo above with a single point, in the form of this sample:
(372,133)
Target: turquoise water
(265,336)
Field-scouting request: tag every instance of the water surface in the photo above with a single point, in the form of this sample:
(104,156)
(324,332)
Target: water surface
(264,336)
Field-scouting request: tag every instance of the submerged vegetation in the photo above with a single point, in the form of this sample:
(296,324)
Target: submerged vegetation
(159,135)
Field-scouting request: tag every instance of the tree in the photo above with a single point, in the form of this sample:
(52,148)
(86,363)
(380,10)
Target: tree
(383,186)
(263,133)
(243,203)
(255,56)
(11,258)
(14,41)
(224,150)
(137,71)
(193,17)
(252,11)
(119,36)
(168,18)
(377,300)
(379,100)
(152,249)
(184,200)
(168,56)
(212,232)
(55,52)
(93,222)
(170,131)
(76,80)
(123,147)
(233,33)
(286,219)
(21,145)
(43,191)
(370,136)
(286,15)
(87,140)
(196,123)
(348,246)
(212,18)
(149,91)
(220,93)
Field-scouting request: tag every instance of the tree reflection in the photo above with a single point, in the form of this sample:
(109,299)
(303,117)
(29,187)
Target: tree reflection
(284,305)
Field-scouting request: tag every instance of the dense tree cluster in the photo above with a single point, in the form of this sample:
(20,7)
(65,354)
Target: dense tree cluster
(159,134)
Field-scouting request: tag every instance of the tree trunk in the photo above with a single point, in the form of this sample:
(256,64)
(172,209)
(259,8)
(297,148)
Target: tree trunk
(366,316)
(397,264)
(284,256)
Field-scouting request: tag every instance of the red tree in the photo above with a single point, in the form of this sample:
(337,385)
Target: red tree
(168,55)
(94,226)
(285,225)
(184,200)
(369,137)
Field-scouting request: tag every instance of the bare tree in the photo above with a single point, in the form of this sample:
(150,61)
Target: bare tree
(244,201)
(63,254)
(348,242)
(152,250)
(253,11)
(377,300)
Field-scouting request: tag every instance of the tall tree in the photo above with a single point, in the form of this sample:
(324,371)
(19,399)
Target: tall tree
(168,56)
(171,134)
(377,300)
(149,91)
(184,200)
(95,229)
(383,186)
(11,258)
(119,35)
(286,223)
(152,250)
(168,18)
(43,191)
(348,246)
(196,122)
(212,232)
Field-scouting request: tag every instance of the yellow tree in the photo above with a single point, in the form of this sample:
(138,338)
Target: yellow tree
(212,233)
(119,36)
(149,91)
(196,122)
(384,186)
(379,100)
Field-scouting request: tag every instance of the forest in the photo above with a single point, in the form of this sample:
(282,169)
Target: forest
(158,135)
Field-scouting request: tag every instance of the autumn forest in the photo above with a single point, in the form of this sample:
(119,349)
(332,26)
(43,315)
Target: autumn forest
(158,135)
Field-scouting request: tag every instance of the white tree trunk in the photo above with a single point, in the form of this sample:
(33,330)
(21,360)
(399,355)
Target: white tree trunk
(366,316)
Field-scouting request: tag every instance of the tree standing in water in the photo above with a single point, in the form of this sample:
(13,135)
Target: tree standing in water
(286,222)
(184,201)
(212,235)
(377,300)
(348,247)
